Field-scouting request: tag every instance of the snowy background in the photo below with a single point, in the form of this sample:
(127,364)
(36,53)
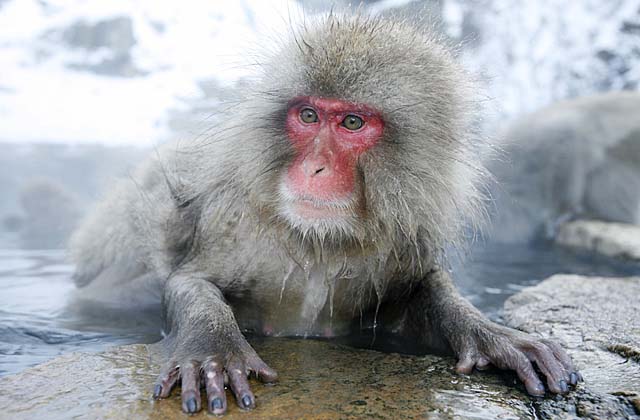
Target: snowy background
(86,87)
(123,72)
(533,53)
(113,71)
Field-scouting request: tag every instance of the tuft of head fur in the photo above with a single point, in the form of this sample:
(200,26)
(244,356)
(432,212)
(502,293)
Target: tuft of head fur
(421,184)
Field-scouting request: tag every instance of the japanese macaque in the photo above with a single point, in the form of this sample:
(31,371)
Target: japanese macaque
(328,193)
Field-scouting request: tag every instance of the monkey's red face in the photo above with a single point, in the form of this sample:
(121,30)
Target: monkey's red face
(328,136)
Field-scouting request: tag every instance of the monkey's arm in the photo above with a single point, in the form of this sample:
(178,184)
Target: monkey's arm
(205,340)
(443,316)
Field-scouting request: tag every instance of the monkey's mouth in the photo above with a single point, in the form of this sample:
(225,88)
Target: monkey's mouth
(320,209)
(307,211)
(307,208)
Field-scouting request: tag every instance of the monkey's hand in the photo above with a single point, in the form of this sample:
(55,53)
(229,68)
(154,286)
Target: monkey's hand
(478,342)
(206,346)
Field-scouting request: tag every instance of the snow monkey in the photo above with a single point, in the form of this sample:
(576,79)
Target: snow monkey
(328,192)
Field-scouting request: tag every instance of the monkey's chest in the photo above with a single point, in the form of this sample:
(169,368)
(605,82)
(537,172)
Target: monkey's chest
(302,303)
(276,291)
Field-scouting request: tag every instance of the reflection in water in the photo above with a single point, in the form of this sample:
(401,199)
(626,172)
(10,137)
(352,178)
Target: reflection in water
(493,272)
(35,287)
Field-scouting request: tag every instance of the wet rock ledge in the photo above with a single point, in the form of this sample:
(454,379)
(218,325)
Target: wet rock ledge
(598,319)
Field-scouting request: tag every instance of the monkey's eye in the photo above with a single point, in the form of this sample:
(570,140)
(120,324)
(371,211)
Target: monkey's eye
(308,116)
(352,122)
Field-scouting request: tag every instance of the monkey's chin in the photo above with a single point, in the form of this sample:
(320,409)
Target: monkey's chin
(323,223)
(324,217)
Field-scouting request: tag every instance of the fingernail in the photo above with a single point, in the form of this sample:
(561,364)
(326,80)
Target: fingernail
(563,386)
(573,378)
(192,406)
(216,404)
(539,389)
(246,401)
(157,391)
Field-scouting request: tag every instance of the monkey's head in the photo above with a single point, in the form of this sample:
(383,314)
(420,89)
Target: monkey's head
(362,133)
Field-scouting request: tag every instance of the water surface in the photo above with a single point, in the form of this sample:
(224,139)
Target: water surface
(35,287)
(35,325)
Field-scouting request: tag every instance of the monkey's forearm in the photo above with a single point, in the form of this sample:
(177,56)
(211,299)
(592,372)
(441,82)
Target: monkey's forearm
(194,305)
(444,310)
(433,310)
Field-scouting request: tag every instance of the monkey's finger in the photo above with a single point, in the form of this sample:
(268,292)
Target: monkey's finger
(166,381)
(483,363)
(567,363)
(466,363)
(557,376)
(214,383)
(517,361)
(262,371)
(190,387)
(240,385)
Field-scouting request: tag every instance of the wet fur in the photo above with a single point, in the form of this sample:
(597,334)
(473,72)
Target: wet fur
(201,222)
(212,205)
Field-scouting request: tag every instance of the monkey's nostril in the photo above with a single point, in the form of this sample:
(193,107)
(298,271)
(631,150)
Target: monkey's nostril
(319,170)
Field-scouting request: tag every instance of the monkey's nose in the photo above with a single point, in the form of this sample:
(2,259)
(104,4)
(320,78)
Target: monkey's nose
(314,170)
(314,166)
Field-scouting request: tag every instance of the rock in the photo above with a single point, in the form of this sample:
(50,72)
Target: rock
(598,321)
(317,380)
(611,239)
(113,36)
(573,158)
(595,318)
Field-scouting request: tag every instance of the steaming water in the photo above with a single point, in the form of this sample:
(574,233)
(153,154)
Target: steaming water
(35,287)
(35,325)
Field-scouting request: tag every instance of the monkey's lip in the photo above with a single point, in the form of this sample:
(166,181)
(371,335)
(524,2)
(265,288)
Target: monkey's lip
(300,205)
(316,209)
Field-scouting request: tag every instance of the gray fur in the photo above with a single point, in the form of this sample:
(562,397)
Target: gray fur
(575,158)
(195,202)
(204,216)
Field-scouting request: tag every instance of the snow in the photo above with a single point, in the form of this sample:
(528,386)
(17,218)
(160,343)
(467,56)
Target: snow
(43,100)
(529,54)
(535,53)
(383,5)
